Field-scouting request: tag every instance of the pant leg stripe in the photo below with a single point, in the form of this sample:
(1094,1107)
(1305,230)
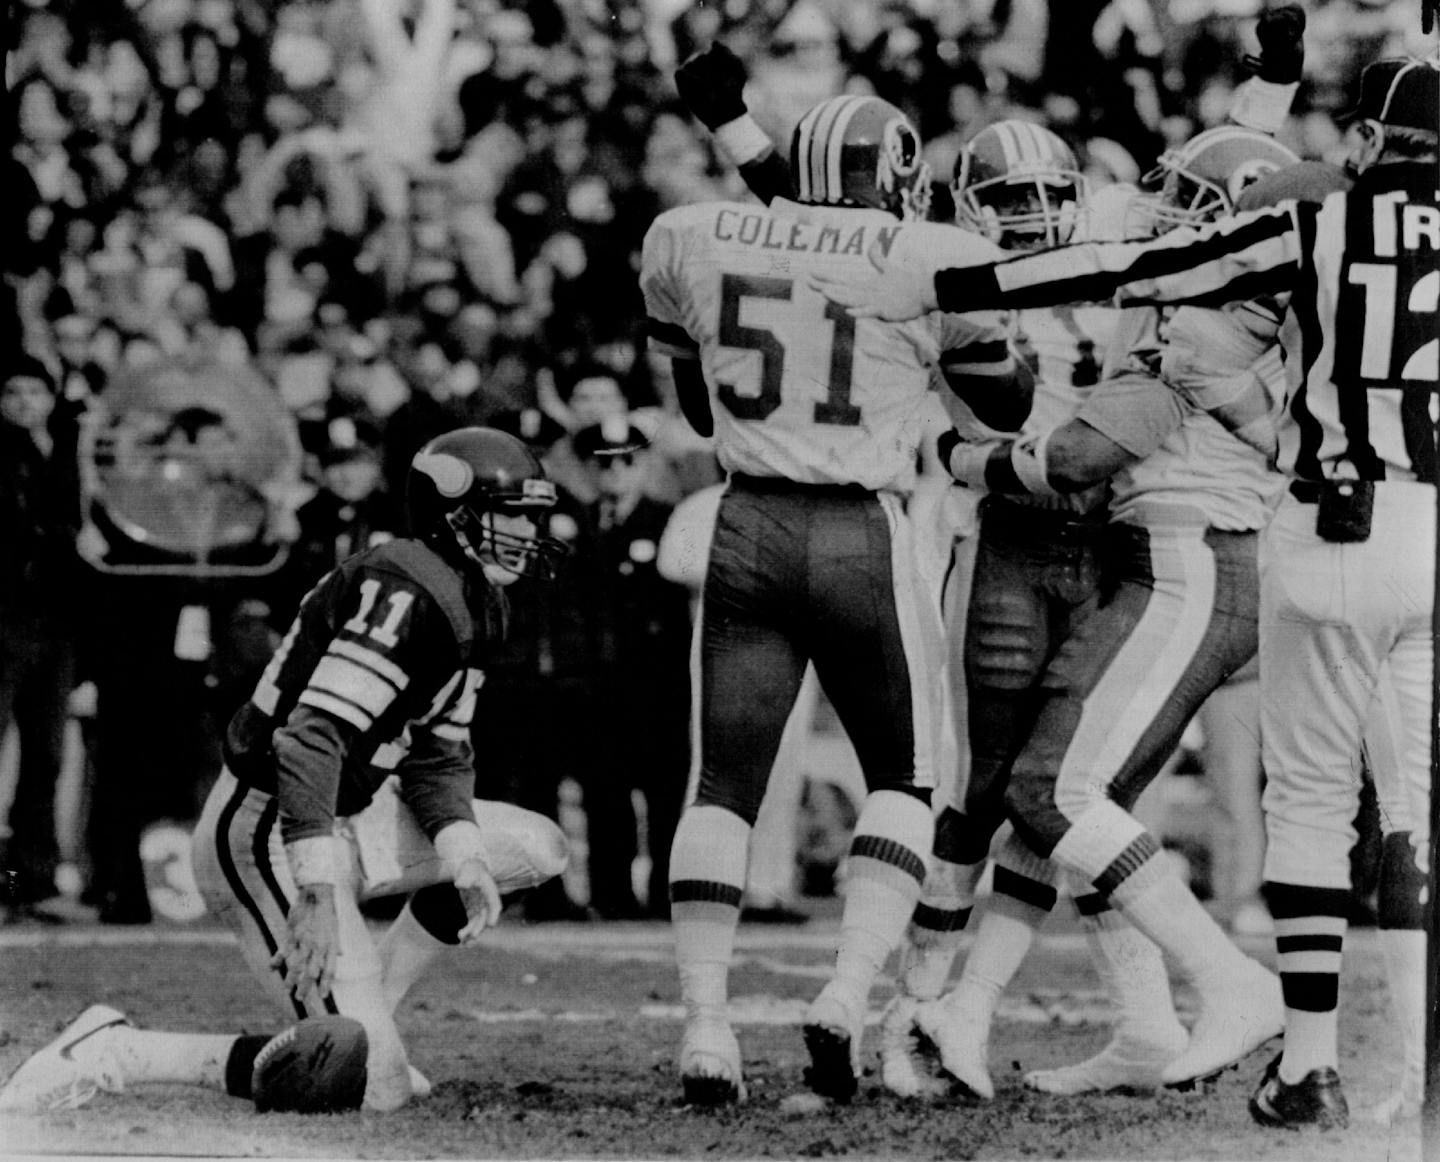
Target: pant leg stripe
(1145,672)
(261,850)
(921,629)
(232,874)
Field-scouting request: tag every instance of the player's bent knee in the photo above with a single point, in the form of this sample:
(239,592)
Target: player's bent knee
(1030,804)
(523,848)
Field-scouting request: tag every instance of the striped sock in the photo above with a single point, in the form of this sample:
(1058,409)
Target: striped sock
(883,874)
(947,901)
(1309,939)
(707,879)
(410,945)
(1024,896)
(1108,847)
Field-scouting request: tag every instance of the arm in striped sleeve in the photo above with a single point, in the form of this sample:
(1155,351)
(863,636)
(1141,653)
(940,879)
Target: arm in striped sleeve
(982,369)
(387,628)
(1240,257)
(437,778)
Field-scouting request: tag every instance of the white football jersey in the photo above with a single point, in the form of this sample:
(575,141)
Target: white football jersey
(799,389)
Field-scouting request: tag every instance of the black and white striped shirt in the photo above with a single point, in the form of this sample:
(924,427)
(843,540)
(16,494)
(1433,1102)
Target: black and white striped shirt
(1360,273)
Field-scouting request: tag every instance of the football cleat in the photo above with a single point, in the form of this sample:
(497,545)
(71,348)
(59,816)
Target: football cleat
(1133,1059)
(1233,1023)
(963,1047)
(72,1069)
(1315,1100)
(710,1073)
(909,1066)
(832,1035)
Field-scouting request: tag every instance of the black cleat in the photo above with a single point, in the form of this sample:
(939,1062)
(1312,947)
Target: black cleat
(710,1091)
(830,1072)
(1315,1100)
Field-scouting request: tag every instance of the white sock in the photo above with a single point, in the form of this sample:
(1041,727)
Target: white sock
(147,1055)
(406,951)
(707,880)
(1109,849)
(884,872)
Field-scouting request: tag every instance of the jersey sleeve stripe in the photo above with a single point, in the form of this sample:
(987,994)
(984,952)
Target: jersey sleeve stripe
(353,682)
(671,339)
(451,732)
(996,351)
(339,707)
(437,707)
(371,660)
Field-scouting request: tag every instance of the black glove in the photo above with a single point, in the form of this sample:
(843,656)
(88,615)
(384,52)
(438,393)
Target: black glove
(1282,47)
(712,83)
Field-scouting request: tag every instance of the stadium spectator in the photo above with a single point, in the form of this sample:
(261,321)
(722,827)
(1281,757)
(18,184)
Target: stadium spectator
(39,520)
(637,697)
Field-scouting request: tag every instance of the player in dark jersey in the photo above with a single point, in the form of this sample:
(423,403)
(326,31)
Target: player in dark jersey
(349,774)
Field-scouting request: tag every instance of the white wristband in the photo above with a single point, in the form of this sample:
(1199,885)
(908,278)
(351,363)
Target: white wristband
(1027,457)
(457,842)
(967,463)
(742,140)
(1262,105)
(314,860)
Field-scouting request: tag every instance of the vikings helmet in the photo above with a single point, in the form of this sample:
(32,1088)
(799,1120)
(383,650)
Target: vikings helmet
(1202,179)
(460,480)
(1019,185)
(860,151)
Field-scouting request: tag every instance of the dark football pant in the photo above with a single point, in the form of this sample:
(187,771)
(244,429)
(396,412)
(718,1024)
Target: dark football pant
(825,574)
(1118,695)
(1036,577)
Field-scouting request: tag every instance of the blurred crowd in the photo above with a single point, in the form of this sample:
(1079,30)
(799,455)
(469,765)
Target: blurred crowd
(397,217)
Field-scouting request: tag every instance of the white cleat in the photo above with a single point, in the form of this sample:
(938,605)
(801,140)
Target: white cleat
(71,1070)
(1134,1059)
(962,1053)
(1233,1022)
(420,1087)
(710,1072)
(832,1033)
(906,1069)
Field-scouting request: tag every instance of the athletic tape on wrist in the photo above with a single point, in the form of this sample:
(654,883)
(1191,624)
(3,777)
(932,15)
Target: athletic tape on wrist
(1263,105)
(742,140)
(315,860)
(1028,458)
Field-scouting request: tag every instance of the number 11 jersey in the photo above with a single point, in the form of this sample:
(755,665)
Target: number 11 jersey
(800,389)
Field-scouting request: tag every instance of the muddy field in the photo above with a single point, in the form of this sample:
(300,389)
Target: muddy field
(558,1041)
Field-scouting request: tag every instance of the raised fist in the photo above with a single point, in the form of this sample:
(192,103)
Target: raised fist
(711,83)
(1282,47)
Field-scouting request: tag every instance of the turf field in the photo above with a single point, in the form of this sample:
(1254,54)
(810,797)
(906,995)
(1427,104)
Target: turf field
(558,1041)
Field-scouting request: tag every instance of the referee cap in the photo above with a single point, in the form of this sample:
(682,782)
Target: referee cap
(1400,91)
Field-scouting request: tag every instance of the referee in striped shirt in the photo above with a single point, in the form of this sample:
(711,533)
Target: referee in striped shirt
(1347,563)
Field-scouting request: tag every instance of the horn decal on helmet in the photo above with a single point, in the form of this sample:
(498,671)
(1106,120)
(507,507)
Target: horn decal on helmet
(452,476)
